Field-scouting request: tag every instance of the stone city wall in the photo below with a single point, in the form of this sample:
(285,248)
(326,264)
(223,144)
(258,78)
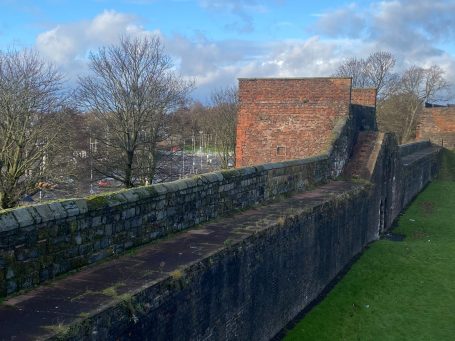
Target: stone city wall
(40,242)
(251,288)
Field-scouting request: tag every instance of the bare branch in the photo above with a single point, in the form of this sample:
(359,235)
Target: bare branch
(131,92)
(30,91)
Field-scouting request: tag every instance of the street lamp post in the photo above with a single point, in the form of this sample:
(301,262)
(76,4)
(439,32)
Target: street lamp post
(183,159)
(201,133)
(93,149)
(193,144)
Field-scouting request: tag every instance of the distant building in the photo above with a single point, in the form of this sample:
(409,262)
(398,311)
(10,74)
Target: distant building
(437,124)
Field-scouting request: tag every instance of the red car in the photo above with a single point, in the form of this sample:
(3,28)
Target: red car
(104,183)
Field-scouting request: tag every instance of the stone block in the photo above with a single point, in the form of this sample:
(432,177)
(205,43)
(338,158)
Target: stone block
(58,211)
(8,222)
(71,208)
(45,212)
(23,217)
(38,219)
(128,213)
(141,192)
(78,239)
(96,221)
(131,195)
(116,199)
(160,189)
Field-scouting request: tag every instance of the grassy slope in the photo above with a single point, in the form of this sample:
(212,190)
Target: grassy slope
(398,290)
(447,171)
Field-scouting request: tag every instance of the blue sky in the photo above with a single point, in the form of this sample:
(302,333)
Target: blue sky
(215,42)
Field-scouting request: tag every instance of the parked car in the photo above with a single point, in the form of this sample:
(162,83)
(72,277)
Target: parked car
(106,182)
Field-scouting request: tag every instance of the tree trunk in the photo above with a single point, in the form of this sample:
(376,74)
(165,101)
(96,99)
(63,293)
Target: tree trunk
(129,170)
(6,201)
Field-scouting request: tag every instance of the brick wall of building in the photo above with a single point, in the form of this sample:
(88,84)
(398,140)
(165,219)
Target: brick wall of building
(438,126)
(363,107)
(293,118)
(365,97)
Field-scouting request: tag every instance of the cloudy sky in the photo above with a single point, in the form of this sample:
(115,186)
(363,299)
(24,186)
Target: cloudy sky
(215,42)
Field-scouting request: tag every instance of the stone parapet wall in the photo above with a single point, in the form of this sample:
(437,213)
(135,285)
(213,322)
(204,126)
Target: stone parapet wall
(418,169)
(251,288)
(413,147)
(40,242)
(399,173)
(279,258)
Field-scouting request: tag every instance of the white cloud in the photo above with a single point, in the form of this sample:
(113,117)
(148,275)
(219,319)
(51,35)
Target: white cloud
(242,10)
(411,27)
(417,32)
(68,45)
(347,21)
(215,63)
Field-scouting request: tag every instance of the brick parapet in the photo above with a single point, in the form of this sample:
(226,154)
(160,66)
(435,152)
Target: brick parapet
(364,96)
(291,118)
(437,125)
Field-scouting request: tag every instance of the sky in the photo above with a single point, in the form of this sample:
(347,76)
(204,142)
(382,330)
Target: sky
(216,42)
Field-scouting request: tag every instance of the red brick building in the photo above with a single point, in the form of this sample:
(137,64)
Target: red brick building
(437,125)
(292,118)
(364,97)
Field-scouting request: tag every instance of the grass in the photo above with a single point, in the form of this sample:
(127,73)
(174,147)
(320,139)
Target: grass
(447,170)
(398,290)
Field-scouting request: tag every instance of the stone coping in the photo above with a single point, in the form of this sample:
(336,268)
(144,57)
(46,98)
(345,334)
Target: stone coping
(419,154)
(412,147)
(36,214)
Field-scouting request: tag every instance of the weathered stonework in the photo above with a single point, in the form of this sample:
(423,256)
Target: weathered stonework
(243,277)
(40,242)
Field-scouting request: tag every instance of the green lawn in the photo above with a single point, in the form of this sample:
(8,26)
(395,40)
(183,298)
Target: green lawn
(398,290)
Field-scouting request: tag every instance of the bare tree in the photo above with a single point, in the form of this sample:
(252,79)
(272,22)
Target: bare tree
(390,114)
(418,85)
(131,91)
(400,97)
(376,71)
(30,91)
(68,168)
(222,119)
(379,66)
(355,68)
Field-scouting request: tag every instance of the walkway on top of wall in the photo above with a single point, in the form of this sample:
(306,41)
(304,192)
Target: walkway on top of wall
(419,154)
(49,309)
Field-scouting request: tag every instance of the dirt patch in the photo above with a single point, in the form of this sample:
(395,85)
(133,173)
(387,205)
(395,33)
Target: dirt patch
(427,207)
(419,235)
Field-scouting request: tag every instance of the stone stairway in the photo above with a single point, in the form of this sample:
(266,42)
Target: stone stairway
(359,164)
